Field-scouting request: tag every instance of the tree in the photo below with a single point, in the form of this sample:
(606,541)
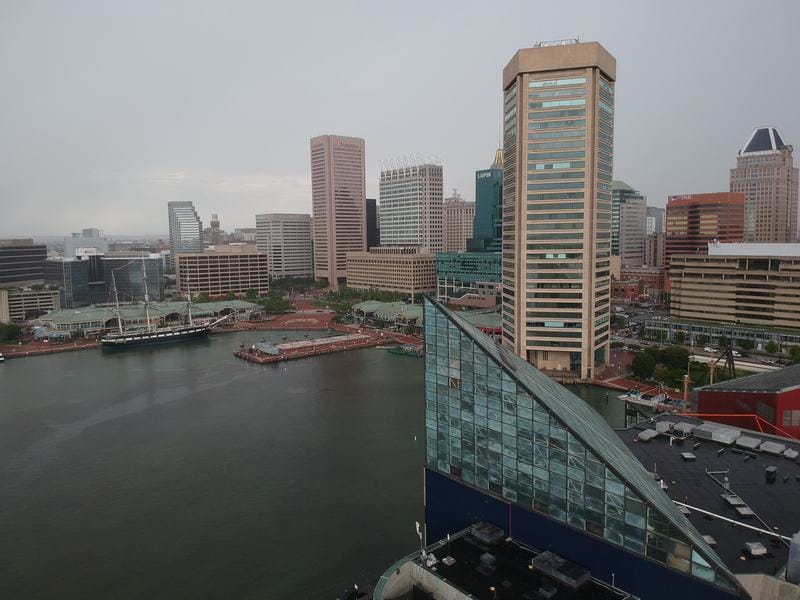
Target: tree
(723,341)
(230,296)
(771,347)
(251,295)
(643,365)
(680,337)
(9,332)
(702,339)
(201,298)
(794,354)
(747,344)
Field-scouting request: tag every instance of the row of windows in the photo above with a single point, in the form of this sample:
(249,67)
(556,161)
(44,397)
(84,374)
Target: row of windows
(557,134)
(576,91)
(575,164)
(557,124)
(557,82)
(556,104)
(557,145)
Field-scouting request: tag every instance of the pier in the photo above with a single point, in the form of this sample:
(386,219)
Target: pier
(265,353)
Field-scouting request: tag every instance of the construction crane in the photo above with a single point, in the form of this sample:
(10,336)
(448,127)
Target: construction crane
(730,366)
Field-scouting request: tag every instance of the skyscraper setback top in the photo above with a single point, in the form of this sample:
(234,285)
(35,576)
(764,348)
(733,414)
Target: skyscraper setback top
(766,175)
(185,229)
(338,197)
(558,138)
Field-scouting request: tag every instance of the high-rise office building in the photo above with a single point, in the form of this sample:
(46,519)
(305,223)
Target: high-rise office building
(128,274)
(373,226)
(185,229)
(458,223)
(411,206)
(488,226)
(656,219)
(232,269)
(21,262)
(693,220)
(654,245)
(286,240)
(338,197)
(766,175)
(71,276)
(558,142)
(628,221)
(88,241)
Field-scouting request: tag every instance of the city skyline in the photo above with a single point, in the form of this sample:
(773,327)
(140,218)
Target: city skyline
(75,136)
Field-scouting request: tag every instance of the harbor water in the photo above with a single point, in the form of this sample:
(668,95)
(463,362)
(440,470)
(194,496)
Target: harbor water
(182,472)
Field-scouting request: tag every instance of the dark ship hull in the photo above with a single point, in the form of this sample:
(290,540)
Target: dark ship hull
(158,336)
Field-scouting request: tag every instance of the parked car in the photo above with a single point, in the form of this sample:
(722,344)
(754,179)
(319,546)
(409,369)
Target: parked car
(736,354)
(709,349)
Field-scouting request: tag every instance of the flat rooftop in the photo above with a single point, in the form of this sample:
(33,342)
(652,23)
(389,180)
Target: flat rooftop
(510,574)
(699,484)
(781,380)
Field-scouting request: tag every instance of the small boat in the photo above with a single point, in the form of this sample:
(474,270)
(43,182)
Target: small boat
(408,350)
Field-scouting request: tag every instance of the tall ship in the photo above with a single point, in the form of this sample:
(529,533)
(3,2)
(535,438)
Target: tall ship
(152,334)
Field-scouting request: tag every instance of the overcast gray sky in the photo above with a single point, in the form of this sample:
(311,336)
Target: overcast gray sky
(108,110)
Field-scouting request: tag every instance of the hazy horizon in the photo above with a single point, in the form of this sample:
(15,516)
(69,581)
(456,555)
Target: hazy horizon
(112,110)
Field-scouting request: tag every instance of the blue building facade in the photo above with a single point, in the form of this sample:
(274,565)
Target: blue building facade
(507,445)
(488,226)
(459,273)
(72,278)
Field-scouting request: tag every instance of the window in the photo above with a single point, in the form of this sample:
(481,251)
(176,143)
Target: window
(791,418)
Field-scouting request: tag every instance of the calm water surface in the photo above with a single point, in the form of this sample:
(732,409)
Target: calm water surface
(183,472)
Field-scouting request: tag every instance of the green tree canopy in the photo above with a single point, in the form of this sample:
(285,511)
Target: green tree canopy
(771,347)
(643,365)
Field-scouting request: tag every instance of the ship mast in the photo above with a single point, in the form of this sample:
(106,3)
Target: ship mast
(116,301)
(189,304)
(146,295)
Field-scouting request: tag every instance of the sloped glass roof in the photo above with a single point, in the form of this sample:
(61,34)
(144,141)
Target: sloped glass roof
(585,424)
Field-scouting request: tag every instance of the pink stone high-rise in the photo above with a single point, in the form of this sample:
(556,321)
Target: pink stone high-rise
(338,197)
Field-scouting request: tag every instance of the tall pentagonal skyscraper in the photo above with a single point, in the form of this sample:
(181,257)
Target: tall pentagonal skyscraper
(766,174)
(558,145)
(338,198)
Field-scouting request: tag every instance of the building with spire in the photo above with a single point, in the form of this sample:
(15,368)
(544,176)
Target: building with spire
(766,175)
(488,227)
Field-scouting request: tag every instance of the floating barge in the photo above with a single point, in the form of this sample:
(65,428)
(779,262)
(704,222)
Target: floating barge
(265,353)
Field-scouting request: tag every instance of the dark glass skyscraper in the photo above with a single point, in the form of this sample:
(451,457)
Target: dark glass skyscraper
(373,231)
(488,230)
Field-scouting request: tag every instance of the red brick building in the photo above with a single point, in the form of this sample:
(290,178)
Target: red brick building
(773,396)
